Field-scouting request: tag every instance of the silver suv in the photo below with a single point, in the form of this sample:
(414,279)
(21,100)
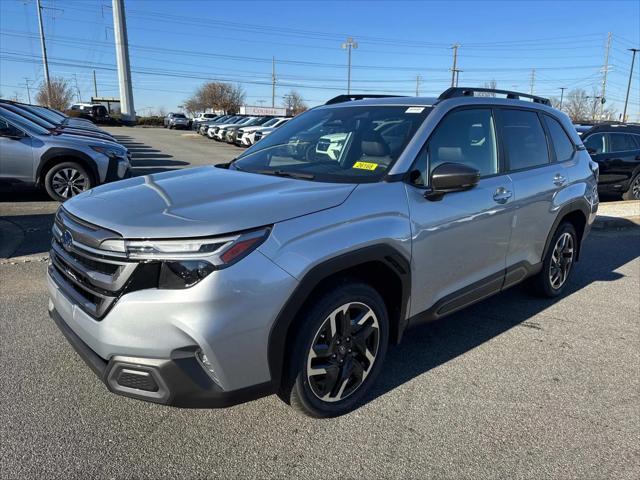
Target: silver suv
(65,162)
(291,270)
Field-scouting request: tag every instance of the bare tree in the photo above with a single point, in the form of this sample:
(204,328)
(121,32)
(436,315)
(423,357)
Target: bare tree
(294,103)
(61,94)
(492,85)
(216,95)
(576,105)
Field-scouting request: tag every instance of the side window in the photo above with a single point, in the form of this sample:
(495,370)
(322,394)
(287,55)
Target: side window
(464,136)
(562,145)
(621,142)
(595,144)
(524,140)
(8,130)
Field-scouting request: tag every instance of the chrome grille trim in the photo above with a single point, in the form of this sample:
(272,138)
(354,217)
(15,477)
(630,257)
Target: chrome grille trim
(92,278)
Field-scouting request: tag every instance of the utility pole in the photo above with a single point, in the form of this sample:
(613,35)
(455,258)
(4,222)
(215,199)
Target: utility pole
(26,83)
(349,45)
(454,70)
(562,89)
(458,71)
(418,79)
(95,84)
(626,99)
(532,81)
(127,110)
(605,69)
(273,82)
(75,79)
(44,54)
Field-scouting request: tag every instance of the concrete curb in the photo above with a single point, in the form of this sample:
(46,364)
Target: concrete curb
(604,222)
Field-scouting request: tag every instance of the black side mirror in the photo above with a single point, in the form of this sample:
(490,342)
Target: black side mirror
(451,177)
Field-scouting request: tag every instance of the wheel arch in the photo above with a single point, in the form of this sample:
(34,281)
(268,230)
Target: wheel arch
(575,212)
(55,156)
(381,266)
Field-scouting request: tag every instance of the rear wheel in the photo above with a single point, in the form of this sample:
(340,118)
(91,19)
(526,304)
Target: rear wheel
(66,180)
(558,262)
(634,189)
(338,351)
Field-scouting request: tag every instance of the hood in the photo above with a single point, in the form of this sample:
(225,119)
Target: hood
(66,137)
(199,202)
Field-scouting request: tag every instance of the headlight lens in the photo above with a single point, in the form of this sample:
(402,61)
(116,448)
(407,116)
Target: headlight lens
(108,151)
(219,251)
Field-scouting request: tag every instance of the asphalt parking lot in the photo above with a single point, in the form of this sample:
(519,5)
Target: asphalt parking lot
(513,387)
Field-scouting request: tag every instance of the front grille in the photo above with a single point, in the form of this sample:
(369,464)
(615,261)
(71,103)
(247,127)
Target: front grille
(91,278)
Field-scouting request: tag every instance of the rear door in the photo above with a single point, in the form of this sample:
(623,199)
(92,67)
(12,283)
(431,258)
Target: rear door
(538,179)
(16,154)
(622,159)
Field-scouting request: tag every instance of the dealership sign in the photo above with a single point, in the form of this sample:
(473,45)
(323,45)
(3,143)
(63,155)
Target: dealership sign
(254,110)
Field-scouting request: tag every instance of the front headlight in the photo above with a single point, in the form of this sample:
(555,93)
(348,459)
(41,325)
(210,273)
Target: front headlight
(219,251)
(185,262)
(110,152)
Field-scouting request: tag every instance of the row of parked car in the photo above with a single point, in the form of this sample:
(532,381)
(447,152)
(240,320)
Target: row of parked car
(63,155)
(241,130)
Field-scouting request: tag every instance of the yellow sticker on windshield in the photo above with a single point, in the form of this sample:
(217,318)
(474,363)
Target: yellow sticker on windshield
(365,165)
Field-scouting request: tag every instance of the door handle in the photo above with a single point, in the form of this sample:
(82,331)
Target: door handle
(502,195)
(559,180)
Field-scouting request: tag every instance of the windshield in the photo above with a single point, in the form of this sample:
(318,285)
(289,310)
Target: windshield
(338,144)
(29,116)
(268,123)
(43,113)
(23,123)
(178,115)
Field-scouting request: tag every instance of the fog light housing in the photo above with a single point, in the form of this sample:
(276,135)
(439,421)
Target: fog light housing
(207,365)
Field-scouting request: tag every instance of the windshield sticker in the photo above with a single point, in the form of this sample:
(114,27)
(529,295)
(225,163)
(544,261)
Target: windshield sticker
(365,165)
(414,110)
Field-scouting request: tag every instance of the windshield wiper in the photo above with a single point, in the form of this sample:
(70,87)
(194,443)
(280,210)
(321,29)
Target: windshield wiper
(287,174)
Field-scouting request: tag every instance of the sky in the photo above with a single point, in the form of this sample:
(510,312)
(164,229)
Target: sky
(175,46)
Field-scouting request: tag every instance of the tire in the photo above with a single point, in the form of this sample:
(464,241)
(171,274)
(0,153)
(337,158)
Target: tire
(66,180)
(557,264)
(634,189)
(350,372)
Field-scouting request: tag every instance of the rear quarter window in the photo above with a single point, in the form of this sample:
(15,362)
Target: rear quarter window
(562,145)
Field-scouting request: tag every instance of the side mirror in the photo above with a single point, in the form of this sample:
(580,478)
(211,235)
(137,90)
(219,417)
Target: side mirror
(451,177)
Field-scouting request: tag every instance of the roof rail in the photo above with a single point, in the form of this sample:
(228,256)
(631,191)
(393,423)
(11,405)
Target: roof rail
(470,92)
(358,96)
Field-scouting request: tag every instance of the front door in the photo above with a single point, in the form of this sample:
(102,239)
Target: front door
(16,154)
(460,242)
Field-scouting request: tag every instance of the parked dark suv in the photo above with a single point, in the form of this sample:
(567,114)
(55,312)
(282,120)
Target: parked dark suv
(616,148)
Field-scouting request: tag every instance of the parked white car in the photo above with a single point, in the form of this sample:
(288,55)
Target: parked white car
(219,131)
(245,138)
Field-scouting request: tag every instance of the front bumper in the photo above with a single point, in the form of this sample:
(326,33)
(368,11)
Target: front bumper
(178,381)
(225,316)
(118,169)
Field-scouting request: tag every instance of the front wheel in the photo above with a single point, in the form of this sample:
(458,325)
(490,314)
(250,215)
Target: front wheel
(557,263)
(66,180)
(337,352)
(634,189)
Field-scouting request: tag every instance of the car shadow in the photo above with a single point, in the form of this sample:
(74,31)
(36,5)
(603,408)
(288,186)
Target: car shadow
(147,160)
(426,347)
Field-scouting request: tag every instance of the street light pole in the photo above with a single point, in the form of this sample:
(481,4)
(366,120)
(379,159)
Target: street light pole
(562,89)
(350,44)
(626,100)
